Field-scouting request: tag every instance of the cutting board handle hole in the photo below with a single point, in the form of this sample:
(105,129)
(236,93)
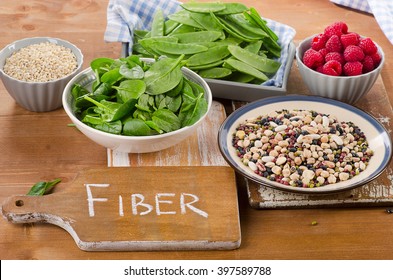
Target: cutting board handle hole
(19,203)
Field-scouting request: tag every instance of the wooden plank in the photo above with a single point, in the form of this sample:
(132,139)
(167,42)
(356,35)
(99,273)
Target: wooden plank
(376,193)
(140,209)
(200,149)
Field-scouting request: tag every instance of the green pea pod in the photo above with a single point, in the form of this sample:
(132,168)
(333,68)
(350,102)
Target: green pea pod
(198,7)
(224,42)
(215,73)
(262,23)
(139,34)
(238,31)
(254,47)
(139,49)
(149,44)
(228,29)
(246,68)
(213,55)
(179,48)
(261,63)
(182,28)
(157,28)
(241,77)
(206,66)
(206,21)
(184,18)
(198,37)
(170,26)
(272,46)
(232,8)
(245,27)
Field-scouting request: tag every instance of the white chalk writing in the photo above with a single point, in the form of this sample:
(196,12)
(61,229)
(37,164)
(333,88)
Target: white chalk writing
(140,207)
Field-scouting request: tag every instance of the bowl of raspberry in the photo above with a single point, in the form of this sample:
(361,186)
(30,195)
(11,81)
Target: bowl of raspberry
(339,64)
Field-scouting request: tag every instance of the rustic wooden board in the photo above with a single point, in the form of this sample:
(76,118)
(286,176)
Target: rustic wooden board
(376,193)
(140,208)
(200,149)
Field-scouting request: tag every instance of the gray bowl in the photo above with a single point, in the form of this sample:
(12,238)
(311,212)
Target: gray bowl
(348,89)
(37,96)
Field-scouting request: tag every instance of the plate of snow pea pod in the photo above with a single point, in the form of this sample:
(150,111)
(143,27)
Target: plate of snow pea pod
(241,55)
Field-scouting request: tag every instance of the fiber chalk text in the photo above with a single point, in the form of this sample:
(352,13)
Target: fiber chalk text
(140,206)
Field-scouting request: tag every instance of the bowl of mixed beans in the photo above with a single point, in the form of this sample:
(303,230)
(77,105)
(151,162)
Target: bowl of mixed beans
(305,144)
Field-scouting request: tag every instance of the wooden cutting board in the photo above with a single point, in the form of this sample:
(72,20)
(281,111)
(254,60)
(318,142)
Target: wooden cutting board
(140,208)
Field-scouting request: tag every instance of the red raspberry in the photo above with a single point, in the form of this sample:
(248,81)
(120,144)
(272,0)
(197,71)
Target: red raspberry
(334,44)
(376,58)
(336,28)
(353,53)
(320,69)
(349,39)
(353,68)
(368,46)
(323,52)
(332,68)
(335,56)
(368,64)
(312,58)
(319,41)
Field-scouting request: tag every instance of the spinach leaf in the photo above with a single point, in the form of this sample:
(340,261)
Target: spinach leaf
(111,77)
(130,89)
(42,188)
(166,120)
(115,127)
(136,127)
(194,112)
(163,75)
(131,72)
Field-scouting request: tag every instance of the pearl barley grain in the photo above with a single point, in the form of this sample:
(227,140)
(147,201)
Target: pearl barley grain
(41,62)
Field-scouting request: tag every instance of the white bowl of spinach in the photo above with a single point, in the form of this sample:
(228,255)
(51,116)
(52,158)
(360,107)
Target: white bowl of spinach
(137,105)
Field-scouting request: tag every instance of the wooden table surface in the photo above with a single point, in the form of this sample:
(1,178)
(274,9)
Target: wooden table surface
(32,148)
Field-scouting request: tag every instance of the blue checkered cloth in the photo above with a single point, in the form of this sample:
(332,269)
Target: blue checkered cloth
(381,9)
(125,16)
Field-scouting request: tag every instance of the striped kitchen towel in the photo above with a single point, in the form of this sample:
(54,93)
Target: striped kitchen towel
(125,16)
(381,9)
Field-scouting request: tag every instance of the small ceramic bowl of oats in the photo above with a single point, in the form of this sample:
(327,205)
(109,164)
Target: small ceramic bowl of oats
(36,70)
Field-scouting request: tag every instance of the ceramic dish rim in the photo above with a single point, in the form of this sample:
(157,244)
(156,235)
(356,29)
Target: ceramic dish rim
(234,162)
